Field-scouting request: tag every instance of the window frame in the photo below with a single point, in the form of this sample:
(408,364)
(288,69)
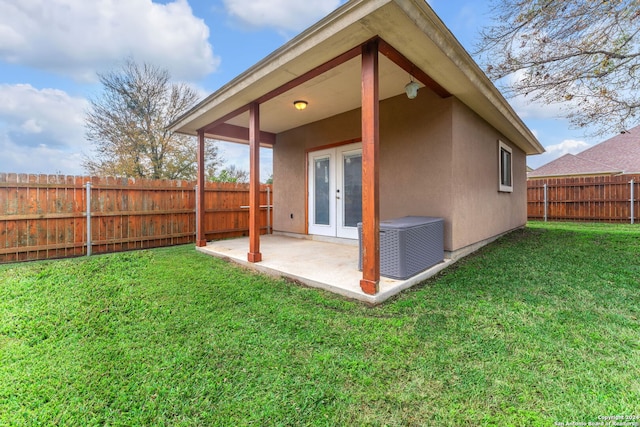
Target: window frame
(505,187)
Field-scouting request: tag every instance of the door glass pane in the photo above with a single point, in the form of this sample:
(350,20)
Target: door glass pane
(321,191)
(352,185)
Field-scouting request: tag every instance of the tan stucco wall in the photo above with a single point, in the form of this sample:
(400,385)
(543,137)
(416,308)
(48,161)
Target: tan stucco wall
(437,158)
(415,158)
(289,165)
(480,211)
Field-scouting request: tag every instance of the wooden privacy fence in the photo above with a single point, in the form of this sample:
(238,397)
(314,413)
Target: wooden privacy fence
(50,216)
(598,199)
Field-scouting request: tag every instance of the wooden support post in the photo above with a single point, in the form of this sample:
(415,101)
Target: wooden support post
(370,173)
(254,254)
(200,210)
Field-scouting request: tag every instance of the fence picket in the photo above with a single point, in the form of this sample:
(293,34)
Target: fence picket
(596,199)
(45,216)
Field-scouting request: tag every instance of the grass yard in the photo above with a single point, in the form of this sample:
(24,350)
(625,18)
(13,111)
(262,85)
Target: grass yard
(538,329)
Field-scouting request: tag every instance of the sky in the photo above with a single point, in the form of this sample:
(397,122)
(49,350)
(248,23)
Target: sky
(52,50)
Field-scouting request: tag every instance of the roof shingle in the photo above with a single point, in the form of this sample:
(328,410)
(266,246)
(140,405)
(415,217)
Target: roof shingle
(617,155)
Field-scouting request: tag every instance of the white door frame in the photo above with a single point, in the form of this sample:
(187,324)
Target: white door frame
(325,226)
(334,175)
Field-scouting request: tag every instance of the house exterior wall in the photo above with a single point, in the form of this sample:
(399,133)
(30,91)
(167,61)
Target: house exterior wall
(415,158)
(437,158)
(415,152)
(289,165)
(480,211)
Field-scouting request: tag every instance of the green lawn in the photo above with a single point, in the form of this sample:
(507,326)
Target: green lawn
(540,328)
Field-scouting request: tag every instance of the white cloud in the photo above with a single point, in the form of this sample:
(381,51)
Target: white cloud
(38,160)
(568,146)
(79,37)
(537,110)
(42,130)
(528,109)
(553,151)
(31,126)
(238,155)
(283,15)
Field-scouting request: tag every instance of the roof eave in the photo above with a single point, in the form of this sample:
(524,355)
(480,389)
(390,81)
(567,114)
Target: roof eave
(358,21)
(519,133)
(340,18)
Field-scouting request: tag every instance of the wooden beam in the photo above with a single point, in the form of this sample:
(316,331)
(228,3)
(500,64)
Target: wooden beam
(370,170)
(323,68)
(224,118)
(315,72)
(215,127)
(200,236)
(401,61)
(233,132)
(254,254)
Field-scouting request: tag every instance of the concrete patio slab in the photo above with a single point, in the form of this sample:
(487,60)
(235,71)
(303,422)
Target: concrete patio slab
(319,264)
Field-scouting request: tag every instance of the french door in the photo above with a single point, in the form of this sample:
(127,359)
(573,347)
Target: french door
(335,191)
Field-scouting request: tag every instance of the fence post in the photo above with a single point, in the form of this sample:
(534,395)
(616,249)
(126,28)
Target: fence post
(545,202)
(88,218)
(268,210)
(197,216)
(632,182)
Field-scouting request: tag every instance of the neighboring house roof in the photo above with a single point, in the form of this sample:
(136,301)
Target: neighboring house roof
(570,164)
(409,26)
(617,155)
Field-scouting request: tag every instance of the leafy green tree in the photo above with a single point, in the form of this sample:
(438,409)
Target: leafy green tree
(230,174)
(127,126)
(583,51)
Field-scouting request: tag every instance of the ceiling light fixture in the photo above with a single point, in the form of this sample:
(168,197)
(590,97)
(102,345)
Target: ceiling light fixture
(300,105)
(411,89)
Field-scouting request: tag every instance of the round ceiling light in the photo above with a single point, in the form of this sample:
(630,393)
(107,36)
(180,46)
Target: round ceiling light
(300,105)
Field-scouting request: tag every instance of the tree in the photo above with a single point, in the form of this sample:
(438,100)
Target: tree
(230,174)
(128,126)
(583,51)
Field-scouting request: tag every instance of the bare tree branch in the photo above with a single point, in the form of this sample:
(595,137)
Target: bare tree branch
(583,51)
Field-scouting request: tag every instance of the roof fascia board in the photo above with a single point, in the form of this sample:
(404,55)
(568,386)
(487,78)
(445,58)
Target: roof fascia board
(384,48)
(479,93)
(434,28)
(339,19)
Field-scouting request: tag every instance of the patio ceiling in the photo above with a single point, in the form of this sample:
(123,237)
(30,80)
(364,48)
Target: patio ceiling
(334,92)
(409,26)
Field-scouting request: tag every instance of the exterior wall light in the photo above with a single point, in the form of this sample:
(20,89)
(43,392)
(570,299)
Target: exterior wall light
(411,89)
(300,105)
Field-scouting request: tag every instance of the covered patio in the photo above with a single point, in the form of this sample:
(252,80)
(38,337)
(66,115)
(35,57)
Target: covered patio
(354,144)
(336,67)
(328,265)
